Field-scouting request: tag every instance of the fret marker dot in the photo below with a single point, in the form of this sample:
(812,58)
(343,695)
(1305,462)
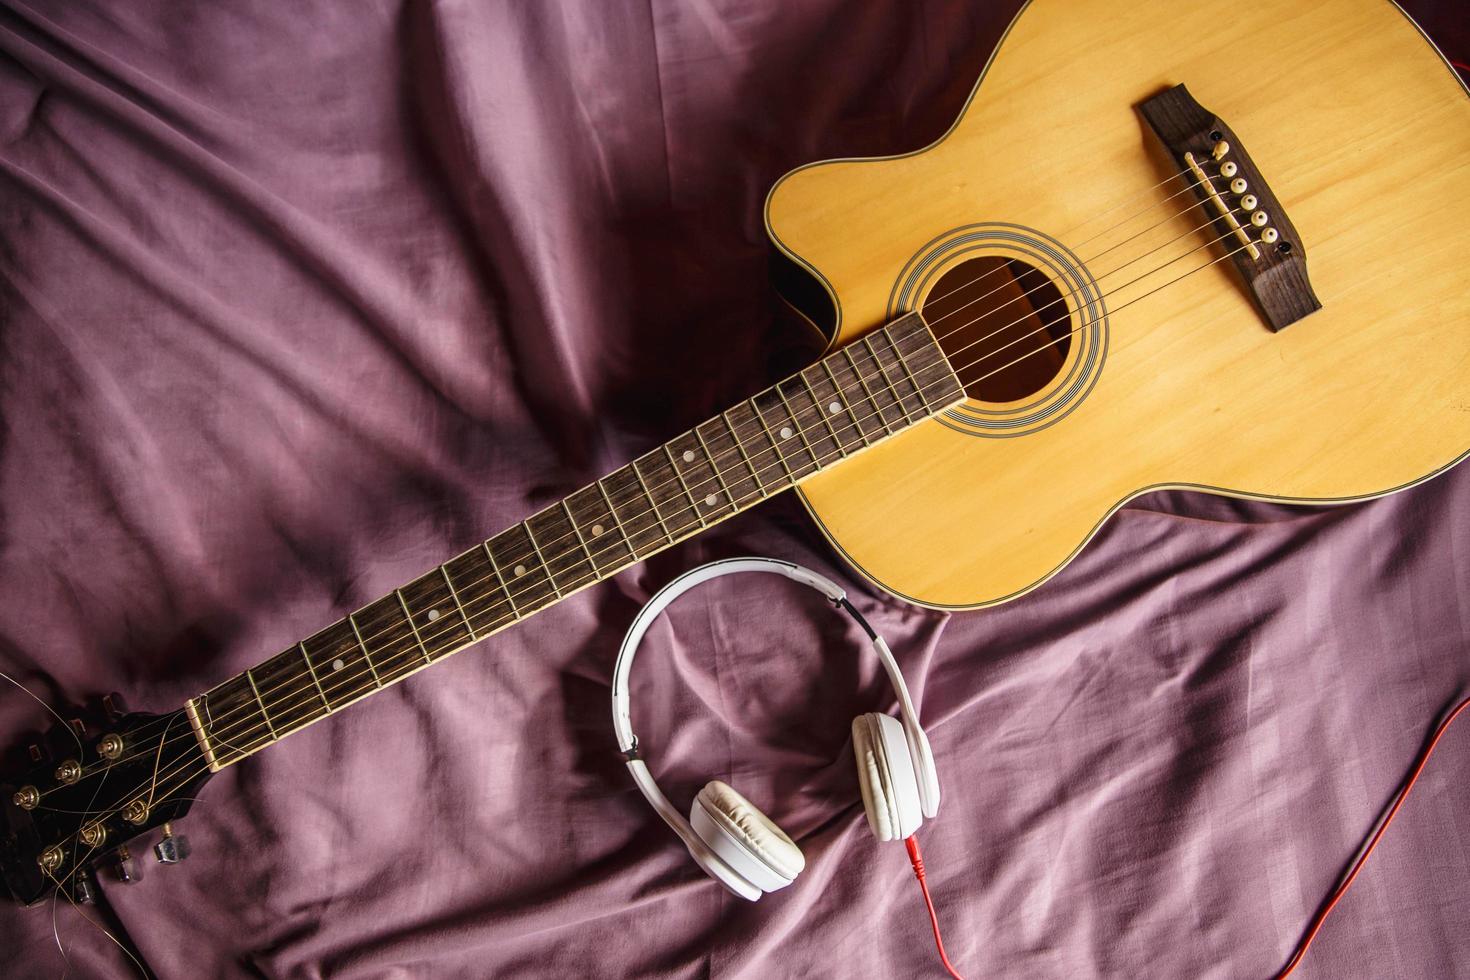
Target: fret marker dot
(835,407)
(711,500)
(520,570)
(785,432)
(597,529)
(433,615)
(688,455)
(338,664)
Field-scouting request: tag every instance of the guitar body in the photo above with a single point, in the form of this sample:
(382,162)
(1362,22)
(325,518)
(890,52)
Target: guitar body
(1362,131)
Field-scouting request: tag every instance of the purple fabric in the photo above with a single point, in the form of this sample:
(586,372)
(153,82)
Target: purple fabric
(300,299)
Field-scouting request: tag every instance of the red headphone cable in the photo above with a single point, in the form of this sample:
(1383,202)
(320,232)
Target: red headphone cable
(1341,889)
(917,860)
(1315,926)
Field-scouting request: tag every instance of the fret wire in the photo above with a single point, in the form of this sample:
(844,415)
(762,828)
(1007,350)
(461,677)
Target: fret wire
(926,348)
(822,413)
(509,597)
(800,431)
(903,363)
(411,625)
(591,562)
(263,713)
(864,382)
(913,381)
(887,379)
(314,679)
(740,448)
(813,429)
(443,569)
(685,484)
(545,568)
(601,546)
(613,512)
(780,456)
(652,504)
(283,673)
(715,469)
(891,381)
(837,393)
(352,621)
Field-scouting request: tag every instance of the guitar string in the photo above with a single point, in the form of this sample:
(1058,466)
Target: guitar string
(1049,343)
(718,470)
(267,738)
(885,382)
(932,299)
(397,628)
(1133,217)
(1072,292)
(929,300)
(1113,290)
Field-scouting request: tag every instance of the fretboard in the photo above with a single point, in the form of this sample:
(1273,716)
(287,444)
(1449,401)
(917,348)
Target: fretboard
(849,401)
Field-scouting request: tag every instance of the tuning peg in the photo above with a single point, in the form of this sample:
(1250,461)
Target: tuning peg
(113,706)
(83,892)
(173,848)
(123,868)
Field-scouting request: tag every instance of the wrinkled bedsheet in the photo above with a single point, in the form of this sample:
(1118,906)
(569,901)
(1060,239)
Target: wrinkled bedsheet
(300,299)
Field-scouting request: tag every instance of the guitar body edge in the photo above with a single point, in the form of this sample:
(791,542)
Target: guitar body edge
(946,519)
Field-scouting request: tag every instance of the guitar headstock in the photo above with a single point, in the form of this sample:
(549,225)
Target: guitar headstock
(86,790)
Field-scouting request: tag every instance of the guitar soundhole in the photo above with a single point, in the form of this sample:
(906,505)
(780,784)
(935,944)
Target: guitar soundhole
(1004,325)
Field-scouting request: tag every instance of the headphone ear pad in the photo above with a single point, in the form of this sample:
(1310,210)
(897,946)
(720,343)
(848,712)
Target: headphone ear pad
(744,838)
(886,776)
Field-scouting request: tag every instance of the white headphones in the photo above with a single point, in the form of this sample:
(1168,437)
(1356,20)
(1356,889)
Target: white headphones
(734,842)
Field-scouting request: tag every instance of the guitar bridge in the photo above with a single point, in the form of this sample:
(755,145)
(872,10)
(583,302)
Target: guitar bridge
(1265,248)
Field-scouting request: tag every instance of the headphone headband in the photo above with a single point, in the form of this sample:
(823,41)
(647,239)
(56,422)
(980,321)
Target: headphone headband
(621,709)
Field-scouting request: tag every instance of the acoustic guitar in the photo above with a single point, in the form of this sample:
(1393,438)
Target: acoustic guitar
(1165,245)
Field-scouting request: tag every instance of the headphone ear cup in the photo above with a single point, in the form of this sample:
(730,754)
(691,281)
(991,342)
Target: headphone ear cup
(886,776)
(744,838)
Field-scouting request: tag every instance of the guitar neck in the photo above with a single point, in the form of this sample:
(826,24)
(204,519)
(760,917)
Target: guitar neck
(849,401)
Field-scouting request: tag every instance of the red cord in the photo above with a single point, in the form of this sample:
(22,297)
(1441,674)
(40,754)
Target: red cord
(917,860)
(1357,866)
(1461,65)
